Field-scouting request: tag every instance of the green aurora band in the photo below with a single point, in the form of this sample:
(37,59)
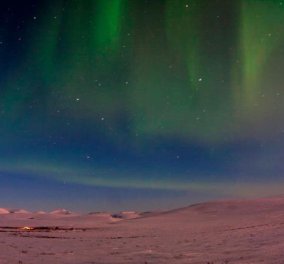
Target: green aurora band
(261,33)
(171,71)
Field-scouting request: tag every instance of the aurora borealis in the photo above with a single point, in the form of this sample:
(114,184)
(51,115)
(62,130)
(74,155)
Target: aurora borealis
(138,100)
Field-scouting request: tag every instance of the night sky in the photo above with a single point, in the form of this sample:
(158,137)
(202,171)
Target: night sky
(136,104)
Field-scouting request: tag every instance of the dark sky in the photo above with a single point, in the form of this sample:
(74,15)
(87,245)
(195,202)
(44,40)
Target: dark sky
(135,104)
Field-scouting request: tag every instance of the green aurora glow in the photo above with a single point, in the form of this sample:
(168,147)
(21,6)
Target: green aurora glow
(98,83)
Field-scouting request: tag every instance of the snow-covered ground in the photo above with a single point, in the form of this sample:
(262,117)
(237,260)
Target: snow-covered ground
(215,232)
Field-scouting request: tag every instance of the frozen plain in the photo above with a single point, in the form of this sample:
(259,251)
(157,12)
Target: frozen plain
(217,232)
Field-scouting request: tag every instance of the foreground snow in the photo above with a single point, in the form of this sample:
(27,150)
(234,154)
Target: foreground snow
(216,232)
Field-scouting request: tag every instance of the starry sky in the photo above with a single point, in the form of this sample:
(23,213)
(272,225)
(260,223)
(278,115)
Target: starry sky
(140,104)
